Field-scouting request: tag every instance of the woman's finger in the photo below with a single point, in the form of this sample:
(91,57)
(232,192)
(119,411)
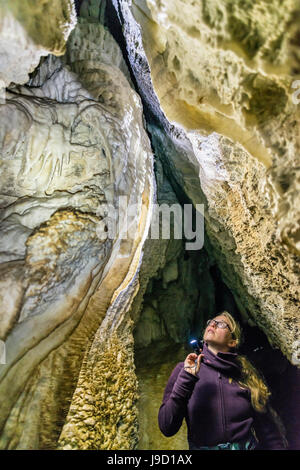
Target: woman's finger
(192,357)
(199,359)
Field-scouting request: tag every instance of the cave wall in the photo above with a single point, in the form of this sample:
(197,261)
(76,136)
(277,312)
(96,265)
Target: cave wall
(72,142)
(158,102)
(223,119)
(29,31)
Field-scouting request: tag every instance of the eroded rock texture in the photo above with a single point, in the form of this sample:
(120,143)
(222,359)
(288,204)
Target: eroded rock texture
(29,30)
(87,313)
(217,78)
(72,142)
(177,300)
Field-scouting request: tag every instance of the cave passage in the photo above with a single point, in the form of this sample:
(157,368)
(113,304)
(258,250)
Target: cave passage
(158,349)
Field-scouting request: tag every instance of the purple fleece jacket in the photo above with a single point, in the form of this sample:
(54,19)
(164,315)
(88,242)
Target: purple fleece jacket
(216,409)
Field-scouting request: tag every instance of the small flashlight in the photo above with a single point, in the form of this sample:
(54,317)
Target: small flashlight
(196,345)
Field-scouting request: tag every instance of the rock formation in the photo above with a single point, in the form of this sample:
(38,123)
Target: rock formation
(30,30)
(131,105)
(72,145)
(219,77)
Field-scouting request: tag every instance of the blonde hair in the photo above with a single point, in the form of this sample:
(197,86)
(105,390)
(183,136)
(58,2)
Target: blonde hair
(250,377)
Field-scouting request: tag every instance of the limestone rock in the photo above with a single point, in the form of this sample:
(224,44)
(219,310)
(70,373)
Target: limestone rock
(216,78)
(170,272)
(72,143)
(149,329)
(30,30)
(173,306)
(89,301)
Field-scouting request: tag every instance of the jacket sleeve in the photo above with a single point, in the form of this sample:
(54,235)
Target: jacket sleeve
(178,390)
(268,433)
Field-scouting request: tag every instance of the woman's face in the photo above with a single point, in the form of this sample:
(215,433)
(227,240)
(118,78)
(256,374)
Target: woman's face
(219,338)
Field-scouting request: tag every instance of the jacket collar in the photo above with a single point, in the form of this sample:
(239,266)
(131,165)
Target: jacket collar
(225,362)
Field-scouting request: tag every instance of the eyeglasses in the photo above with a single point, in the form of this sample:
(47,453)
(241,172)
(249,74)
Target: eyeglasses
(219,324)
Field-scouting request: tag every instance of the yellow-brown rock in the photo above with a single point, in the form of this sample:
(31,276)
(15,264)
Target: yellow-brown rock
(218,78)
(92,320)
(29,30)
(72,143)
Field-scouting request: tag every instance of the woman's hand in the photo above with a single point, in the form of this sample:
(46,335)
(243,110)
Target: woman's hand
(190,365)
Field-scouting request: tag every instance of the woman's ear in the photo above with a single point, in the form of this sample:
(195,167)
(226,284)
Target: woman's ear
(232,343)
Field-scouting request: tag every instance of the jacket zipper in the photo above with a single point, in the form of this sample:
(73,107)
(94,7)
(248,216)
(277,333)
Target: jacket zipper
(222,407)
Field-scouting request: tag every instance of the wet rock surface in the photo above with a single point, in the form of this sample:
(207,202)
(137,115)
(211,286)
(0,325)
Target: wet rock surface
(169,103)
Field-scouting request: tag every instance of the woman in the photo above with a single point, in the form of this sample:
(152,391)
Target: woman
(221,396)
